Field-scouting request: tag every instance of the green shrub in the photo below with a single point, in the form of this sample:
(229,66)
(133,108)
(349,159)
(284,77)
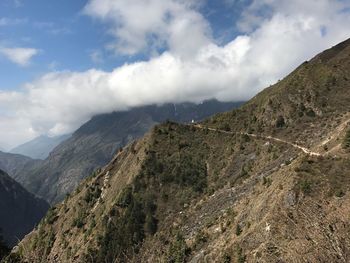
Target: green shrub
(178,250)
(267,181)
(125,197)
(339,193)
(238,230)
(200,239)
(226,258)
(151,224)
(225,127)
(79,221)
(280,122)
(92,194)
(241,258)
(311,113)
(13,258)
(51,216)
(305,186)
(346,141)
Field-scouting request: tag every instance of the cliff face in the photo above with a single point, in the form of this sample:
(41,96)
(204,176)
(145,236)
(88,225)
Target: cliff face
(20,210)
(268,182)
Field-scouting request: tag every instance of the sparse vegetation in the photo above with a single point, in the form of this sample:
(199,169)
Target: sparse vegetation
(178,250)
(226,258)
(267,181)
(241,258)
(51,216)
(305,186)
(93,193)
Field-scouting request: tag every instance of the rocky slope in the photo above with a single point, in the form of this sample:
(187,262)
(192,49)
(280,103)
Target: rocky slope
(94,144)
(20,211)
(40,147)
(268,182)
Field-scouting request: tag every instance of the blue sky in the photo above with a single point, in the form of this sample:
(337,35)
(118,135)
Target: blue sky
(62,62)
(63,36)
(66,38)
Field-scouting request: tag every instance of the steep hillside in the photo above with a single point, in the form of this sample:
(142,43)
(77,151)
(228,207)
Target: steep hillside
(268,182)
(40,147)
(20,210)
(94,144)
(304,107)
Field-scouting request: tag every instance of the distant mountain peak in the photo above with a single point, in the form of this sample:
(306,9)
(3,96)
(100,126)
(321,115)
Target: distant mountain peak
(40,147)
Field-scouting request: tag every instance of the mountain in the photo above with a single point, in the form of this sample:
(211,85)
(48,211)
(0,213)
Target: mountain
(94,144)
(268,182)
(20,210)
(40,147)
(15,164)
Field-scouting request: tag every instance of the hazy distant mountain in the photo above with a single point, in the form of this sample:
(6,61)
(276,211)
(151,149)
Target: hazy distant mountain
(20,210)
(15,164)
(94,144)
(40,147)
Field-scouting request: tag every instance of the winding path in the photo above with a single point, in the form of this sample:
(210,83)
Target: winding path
(303,149)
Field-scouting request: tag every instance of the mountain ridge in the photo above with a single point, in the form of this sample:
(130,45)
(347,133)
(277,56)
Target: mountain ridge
(94,144)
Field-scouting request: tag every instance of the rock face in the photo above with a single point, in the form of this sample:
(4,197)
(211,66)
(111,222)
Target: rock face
(234,188)
(40,147)
(20,211)
(94,144)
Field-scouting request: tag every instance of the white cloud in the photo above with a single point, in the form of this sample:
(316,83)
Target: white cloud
(96,56)
(19,56)
(140,25)
(59,102)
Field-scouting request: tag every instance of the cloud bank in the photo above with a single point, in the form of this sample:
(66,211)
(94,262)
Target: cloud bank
(276,36)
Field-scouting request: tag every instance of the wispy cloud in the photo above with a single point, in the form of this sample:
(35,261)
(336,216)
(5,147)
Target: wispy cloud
(19,56)
(52,28)
(18,3)
(96,56)
(5,21)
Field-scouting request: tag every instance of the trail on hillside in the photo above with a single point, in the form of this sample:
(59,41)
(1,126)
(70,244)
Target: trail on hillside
(270,138)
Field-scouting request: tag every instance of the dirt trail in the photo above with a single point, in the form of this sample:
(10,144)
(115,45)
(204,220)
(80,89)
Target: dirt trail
(337,131)
(270,138)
